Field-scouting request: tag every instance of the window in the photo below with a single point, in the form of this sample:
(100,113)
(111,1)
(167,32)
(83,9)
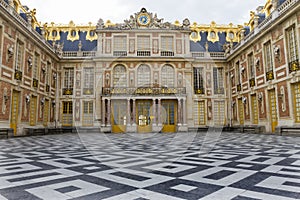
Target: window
(92,33)
(219,113)
(119,76)
(167,46)
(251,65)
(231,35)
(296,107)
(19,56)
(238,73)
(67,114)
(73,33)
(144,76)
(268,61)
(120,46)
(36,66)
(87,113)
(199,113)
(88,84)
(69,78)
(54,33)
(47,72)
(143,46)
(198,81)
(292,49)
(168,76)
(268,57)
(218,78)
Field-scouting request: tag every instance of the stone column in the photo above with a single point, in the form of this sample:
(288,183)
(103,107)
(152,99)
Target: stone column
(159,112)
(103,112)
(154,112)
(179,113)
(128,117)
(108,112)
(133,111)
(184,112)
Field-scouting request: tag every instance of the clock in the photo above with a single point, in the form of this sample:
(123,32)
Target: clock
(143,19)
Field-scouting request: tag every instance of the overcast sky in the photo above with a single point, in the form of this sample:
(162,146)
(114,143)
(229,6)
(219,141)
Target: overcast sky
(200,11)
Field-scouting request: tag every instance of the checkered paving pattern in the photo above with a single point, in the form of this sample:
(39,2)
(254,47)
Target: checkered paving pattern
(208,166)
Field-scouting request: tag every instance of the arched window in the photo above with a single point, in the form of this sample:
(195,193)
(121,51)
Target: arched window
(144,76)
(168,76)
(119,76)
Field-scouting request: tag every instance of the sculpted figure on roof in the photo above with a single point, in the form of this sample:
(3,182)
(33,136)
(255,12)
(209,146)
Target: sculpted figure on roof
(100,23)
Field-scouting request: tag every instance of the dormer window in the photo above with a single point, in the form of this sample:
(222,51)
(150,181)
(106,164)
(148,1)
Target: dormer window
(54,33)
(92,33)
(73,33)
(212,34)
(231,35)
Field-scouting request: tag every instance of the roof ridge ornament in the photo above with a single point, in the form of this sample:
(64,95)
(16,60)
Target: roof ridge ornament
(144,20)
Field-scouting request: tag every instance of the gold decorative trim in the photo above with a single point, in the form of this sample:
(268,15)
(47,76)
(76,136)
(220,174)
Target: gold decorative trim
(213,27)
(195,36)
(69,28)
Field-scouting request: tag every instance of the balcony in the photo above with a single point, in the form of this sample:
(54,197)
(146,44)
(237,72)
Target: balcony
(167,53)
(67,91)
(209,55)
(239,87)
(35,83)
(143,53)
(199,90)
(78,54)
(270,75)
(252,82)
(88,91)
(144,91)
(120,53)
(18,75)
(219,90)
(294,66)
(47,88)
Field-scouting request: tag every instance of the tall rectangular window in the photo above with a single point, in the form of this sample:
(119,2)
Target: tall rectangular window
(143,45)
(167,46)
(120,46)
(268,56)
(88,85)
(296,100)
(47,72)
(87,113)
(237,73)
(251,65)
(292,48)
(218,78)
(69,78)
(19,56)
(292,44)
(67,113)
(36,66)
(199,113)
(198,81)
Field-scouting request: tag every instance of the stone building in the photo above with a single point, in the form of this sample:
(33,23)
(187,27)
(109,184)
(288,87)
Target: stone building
(148,75)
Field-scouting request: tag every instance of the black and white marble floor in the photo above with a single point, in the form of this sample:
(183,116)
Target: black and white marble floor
(208,166)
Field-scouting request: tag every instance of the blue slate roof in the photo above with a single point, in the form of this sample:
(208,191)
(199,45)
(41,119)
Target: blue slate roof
(24,16)
(247,30)
(212,46)
(73,45)
(262,17)
(281,2)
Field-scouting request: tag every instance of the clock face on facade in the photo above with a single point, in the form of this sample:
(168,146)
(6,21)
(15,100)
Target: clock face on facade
(143,19)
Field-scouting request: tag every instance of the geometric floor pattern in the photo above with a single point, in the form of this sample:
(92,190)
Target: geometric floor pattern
(155,166)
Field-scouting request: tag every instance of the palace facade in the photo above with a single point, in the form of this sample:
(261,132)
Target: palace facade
(147,75)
